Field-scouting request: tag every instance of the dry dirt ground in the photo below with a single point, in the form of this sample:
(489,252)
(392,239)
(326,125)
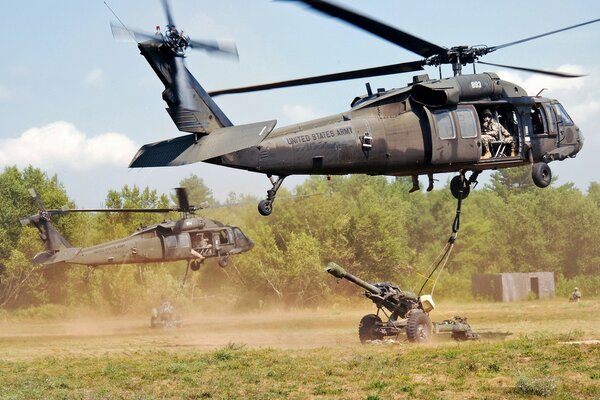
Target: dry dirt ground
(299,329)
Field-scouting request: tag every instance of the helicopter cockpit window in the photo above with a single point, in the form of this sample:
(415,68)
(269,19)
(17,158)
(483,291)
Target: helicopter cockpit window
(551,119)
(445,125)
(538,119)
(238,234)
(562,114)
(467,122)
(183,240)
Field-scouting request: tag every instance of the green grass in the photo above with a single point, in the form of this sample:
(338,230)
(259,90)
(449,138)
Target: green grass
(305,354)
(494,370)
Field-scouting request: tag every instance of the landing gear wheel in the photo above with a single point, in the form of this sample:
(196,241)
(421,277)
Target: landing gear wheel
(195,265)
(223,261)
(455,185)
(541,174)
(418,328)
(265,207)
(367,328)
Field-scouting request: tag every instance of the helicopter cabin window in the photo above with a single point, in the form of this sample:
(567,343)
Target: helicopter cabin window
(467,120)
(562,114)
(171,242)
(183,240)
(445,125)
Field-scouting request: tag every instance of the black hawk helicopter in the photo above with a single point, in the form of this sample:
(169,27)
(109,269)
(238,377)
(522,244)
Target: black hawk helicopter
(430,126)
(191,238)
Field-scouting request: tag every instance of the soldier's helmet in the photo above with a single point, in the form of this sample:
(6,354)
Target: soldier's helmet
(576,288)
(486,112)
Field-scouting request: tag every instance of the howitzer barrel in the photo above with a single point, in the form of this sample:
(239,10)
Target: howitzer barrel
(340,273)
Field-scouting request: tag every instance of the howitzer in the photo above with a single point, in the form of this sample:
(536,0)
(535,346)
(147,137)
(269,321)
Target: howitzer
(405,312)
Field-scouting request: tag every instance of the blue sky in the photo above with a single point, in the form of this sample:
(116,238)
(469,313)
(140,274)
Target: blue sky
(77,103)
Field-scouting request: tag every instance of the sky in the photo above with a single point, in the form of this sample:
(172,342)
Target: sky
(76,103)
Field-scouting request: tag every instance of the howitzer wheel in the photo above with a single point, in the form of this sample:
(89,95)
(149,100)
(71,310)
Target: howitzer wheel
(367,328)
(419,327)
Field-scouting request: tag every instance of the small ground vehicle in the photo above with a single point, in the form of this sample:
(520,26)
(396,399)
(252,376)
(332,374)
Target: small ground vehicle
(164,316)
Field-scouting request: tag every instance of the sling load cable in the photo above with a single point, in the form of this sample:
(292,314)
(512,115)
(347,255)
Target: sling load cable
(442,258)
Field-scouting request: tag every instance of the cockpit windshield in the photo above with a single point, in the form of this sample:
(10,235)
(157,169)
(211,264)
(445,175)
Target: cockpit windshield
(563,117)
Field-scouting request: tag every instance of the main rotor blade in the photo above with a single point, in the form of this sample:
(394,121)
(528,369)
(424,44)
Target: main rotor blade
(494,48)
(537,71)
(339,76)
(396,36)
(221,47)
(170,21)
(119,210)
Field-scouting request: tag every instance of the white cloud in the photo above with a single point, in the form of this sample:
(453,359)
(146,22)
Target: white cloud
(299,112)
(61,144)
(5,94)
(94,79)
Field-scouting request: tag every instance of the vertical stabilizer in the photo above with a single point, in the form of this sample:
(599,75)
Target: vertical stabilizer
(190,107)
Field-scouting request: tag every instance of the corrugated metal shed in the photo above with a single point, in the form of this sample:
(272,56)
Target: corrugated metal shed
(514,285)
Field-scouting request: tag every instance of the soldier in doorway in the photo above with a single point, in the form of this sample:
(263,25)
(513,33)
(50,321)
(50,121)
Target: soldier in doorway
(491,131)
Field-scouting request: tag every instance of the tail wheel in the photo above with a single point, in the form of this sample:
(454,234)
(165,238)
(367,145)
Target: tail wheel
(541,174)
(456,184)
(367,328)
(419,328)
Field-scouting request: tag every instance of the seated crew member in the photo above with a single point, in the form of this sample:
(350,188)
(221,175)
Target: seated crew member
(491,131)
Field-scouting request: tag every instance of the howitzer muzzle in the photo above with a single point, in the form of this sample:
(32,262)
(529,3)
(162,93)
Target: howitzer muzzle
(340,273)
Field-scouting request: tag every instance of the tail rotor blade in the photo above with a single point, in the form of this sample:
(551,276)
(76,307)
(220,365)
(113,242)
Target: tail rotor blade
(37,200)
(217,47)
(170,21)
(182,199)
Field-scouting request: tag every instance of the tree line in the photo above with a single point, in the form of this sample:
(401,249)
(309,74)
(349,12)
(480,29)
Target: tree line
(371,226)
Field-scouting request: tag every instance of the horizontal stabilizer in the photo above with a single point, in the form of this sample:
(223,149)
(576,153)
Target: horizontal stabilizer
(189,149)
(51,257)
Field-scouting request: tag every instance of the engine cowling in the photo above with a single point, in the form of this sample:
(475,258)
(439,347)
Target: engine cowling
(449,92)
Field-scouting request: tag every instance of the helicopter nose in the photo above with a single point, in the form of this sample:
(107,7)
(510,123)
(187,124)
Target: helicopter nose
(250,243)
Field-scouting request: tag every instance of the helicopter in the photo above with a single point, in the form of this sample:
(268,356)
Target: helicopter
(190,238)
(430,126)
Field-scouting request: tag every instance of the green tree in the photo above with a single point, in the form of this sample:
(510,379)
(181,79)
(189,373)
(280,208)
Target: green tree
(21,283)
(198,192)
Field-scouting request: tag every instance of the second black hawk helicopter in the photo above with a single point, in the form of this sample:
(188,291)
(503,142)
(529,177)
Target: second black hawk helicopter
(190,238)
(430,126)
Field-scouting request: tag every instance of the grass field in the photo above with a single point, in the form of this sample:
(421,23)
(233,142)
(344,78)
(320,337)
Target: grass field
(306,354)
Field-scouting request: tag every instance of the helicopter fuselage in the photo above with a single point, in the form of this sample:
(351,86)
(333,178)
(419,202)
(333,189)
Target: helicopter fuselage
(189,239)
(406,132)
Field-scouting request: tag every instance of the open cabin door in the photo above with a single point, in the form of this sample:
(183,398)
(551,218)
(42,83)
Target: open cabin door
(455,135)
